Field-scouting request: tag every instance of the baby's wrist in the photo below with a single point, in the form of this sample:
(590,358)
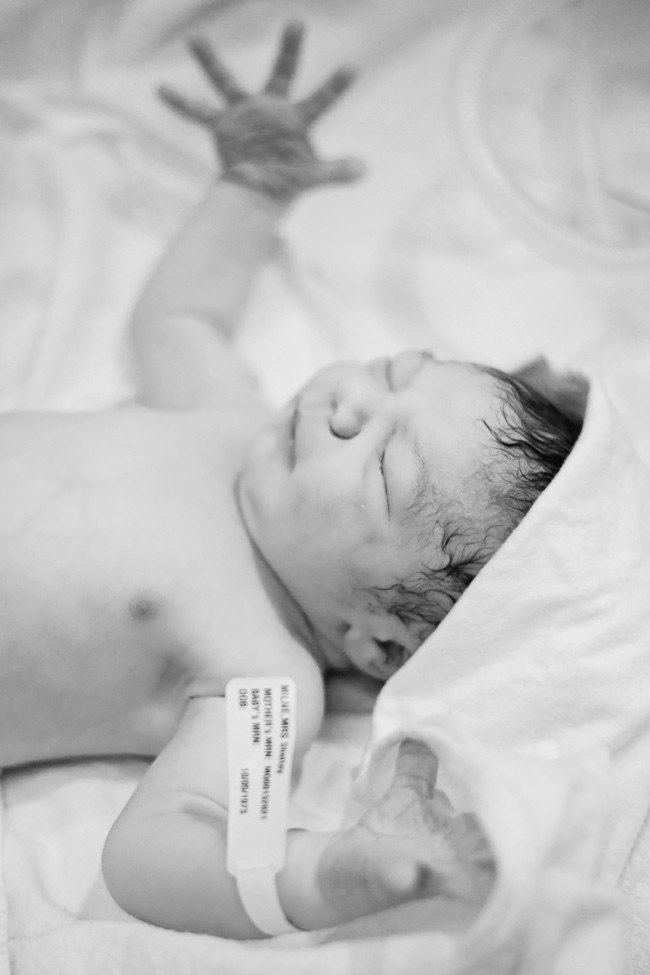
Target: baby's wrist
(298,884)
(248,199)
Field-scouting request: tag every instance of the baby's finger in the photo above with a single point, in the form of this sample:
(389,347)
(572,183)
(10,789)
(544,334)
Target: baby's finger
(195,111)
(417,768)
(337,171)
(217,73)
(286,62)
(319,101)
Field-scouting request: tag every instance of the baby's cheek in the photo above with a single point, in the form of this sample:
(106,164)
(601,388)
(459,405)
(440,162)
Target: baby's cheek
(319,502)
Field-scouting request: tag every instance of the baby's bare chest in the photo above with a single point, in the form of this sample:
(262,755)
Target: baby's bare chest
(125,576)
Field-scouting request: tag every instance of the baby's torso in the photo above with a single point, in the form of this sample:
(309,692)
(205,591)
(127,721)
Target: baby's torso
(127,580)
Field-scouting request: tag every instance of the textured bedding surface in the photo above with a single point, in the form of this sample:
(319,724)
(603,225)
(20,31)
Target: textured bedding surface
(95,176)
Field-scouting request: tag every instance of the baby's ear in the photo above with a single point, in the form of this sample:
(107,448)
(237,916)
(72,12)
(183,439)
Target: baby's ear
(368,653)
(360,648)
(567,391)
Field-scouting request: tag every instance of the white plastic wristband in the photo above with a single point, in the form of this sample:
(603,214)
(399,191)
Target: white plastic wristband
(261,715)
(259,895)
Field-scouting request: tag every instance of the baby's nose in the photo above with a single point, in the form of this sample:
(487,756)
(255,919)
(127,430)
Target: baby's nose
(347,418)
(354,403)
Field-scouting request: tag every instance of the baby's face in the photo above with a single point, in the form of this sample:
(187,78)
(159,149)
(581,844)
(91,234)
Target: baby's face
(334,492)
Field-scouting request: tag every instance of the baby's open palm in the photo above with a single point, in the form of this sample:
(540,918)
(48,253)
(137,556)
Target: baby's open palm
(263,139)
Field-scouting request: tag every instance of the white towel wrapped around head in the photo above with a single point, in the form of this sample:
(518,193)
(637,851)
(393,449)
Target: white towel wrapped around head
(550,645)
(541,667)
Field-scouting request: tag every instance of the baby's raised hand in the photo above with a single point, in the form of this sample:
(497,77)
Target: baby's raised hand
(409,846)
(263,139)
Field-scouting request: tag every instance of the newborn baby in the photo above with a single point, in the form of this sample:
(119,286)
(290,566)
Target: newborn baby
(153,552)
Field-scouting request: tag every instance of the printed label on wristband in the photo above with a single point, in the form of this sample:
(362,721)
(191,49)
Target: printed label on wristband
(261,717)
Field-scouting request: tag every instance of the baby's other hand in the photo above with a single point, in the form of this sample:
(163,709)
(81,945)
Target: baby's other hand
(408,846)
(263,139)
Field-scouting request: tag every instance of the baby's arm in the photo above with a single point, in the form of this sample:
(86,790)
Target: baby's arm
(165,858)
(195,298)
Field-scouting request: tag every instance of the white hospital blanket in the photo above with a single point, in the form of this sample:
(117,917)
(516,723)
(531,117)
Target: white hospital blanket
(94,177)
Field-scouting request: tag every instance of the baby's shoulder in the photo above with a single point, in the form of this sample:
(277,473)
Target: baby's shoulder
(270,659)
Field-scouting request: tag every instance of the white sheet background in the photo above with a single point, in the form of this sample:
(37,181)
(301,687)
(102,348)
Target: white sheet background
(94,177)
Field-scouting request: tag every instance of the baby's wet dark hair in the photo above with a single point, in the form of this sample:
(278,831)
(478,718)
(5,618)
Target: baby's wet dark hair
(528,445)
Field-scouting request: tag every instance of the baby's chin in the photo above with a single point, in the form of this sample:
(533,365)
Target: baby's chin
(248,500)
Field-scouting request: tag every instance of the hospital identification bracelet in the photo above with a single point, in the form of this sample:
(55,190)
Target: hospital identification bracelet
(261,728)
